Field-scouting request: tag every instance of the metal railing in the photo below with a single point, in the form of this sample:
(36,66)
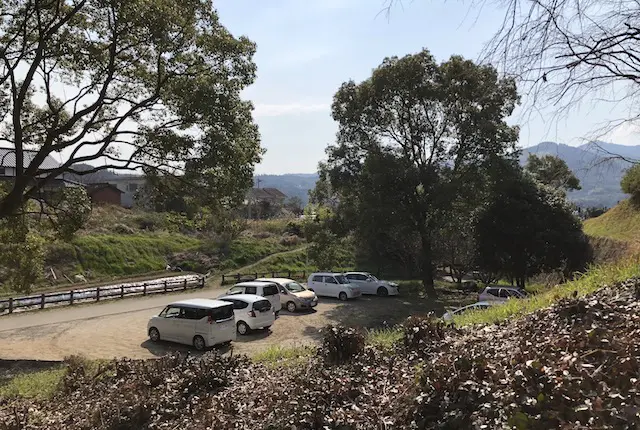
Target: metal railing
(154,286)
(240,277)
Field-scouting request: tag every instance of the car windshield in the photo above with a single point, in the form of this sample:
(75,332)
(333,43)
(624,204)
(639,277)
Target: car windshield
(294,287)
(341,279)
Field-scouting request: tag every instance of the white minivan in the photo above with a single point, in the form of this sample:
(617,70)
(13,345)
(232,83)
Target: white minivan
(332,285)
(199,322)
(268,290)
(251,312)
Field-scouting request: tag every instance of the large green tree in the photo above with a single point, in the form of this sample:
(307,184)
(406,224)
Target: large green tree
(552,171)
(445,122)
(121,84)
(527,228)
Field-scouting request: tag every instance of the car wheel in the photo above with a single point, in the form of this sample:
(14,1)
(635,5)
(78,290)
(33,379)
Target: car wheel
(267,327)
(154,334)
(382,292)
(343,296)
(243,328)
(198,343)
(291,307)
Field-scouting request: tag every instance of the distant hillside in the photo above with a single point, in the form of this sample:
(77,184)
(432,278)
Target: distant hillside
(599,174)
(622,222)
(293,184)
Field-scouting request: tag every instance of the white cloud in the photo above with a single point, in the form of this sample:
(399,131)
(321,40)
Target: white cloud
(266,110)
(627,133)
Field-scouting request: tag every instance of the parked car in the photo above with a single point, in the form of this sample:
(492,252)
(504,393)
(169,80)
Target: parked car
(499,293)
(268,290)
(251,312)
(369,284)
(448,316)
(199,322)
(332,285)
(293,295)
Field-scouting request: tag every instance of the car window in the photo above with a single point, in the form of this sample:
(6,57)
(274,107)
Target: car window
(504,293)
(492,291)
(189,314)
(236,290)
(171,312)
(282,289)
(262,305)
(342,280)
(329,280)
(202,313)
(250,290)
(317,278)
(356,277)
(294,287)
(222,313)
(237,304)
(270,290)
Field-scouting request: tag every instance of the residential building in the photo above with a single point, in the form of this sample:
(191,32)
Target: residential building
(263,202)
(104,193)
(130,185)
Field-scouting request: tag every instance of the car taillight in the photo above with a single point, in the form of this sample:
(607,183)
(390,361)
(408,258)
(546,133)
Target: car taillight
(252,314)
(210,319)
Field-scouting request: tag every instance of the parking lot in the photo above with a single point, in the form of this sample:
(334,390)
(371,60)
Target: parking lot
(118,329)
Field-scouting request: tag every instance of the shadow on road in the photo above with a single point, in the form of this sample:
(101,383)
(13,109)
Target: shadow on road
(164,347)
(254,335)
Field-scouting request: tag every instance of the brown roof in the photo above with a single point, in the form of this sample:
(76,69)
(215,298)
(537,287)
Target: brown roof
(266,193)
(96,187)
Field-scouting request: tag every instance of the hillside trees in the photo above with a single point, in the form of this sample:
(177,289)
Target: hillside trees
(528,228)
(552,171)
(121,85)
(444,123)
(630,182)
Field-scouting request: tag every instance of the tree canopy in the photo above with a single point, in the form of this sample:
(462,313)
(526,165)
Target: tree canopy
(443,123)
(630,182)
(552,171)
(125,84)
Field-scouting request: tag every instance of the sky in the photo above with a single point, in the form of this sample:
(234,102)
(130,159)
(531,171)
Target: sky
(307,48)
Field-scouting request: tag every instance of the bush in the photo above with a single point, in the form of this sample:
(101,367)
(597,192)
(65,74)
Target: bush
(289,240)
(630,182)
(122,229)
(421,333)
(340,344)
(194,261)
(294,228)
(59,253)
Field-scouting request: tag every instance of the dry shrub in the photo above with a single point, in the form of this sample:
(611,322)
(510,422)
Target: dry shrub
(340,344)
(289,240)
(419,333)
(262,235)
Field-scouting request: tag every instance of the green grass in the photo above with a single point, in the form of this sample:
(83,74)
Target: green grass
(594,279)
(384,338)
(110,254)
(247,250)
(41,385)
(276,355)
(621,222)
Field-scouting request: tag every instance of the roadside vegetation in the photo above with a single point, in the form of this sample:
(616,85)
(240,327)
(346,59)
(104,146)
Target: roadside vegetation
(622,222)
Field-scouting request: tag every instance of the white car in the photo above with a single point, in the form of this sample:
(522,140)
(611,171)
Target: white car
(448,316)
(499,293)
(198,322)
(293,295)
(251,312)
(268,290)
(333,285)
(369,284)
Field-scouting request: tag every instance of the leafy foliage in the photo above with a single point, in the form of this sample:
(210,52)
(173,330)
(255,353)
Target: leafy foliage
(72,211)
(341,344)
(147,84)
(438,125)
(552,171)
(630,183)
(528,228)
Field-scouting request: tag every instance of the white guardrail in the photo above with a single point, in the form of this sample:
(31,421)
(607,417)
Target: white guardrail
(152,286)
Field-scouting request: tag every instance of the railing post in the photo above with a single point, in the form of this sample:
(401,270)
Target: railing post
(71,297)
(238,276)
(121,291)
(273,274)
(165,285)
(304,274)
(289,274)
(97,294)
(144,289)
(42,301)
(223,278)
(202,282)
(185,284)
(10,305)
(256,275)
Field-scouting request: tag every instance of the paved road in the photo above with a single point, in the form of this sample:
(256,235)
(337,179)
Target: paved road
(91,310)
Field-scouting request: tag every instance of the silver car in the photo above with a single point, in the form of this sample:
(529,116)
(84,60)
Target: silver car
(293,295)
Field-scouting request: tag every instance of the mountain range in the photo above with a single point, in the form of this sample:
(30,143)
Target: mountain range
(598,165)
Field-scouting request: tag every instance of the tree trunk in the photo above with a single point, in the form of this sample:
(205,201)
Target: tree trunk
(427,264)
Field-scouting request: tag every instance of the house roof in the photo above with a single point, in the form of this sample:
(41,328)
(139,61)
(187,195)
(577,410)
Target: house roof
(8,159)
(266,193)
(100,186)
